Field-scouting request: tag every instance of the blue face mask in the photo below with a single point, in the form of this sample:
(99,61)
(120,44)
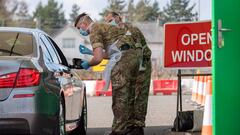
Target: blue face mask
(113,23)
(82,32)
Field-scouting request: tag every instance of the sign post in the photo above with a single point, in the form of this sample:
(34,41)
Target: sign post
(187,46)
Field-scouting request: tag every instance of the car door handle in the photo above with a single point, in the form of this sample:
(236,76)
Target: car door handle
(64,74)
(61,73)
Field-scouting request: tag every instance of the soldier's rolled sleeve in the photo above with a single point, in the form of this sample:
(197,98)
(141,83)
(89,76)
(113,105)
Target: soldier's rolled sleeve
(96,45)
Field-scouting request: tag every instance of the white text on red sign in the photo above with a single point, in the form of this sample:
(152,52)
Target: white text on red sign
(193,55)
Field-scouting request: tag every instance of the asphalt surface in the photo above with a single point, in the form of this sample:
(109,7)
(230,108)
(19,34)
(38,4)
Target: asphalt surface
(163,130)
(159,120)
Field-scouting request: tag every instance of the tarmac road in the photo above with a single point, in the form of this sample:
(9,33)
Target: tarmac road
(159,120)
(158,130)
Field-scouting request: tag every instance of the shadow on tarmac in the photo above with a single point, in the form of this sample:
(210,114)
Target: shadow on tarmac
(158,130)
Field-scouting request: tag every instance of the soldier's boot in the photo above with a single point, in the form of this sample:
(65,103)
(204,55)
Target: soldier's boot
(112,133)
(121,133)
(136,131)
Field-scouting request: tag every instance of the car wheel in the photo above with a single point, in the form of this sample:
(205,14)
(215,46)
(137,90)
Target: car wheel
(82,126)
(60,128)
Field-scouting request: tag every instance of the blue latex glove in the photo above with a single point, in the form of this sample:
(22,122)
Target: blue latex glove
(85,50)
(85,64)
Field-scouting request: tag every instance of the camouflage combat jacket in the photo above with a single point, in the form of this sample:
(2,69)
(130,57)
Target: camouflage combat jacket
(104,35)
(139,38)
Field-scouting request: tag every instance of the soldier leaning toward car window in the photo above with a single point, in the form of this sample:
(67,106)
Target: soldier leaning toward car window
(143,77)
(123,74)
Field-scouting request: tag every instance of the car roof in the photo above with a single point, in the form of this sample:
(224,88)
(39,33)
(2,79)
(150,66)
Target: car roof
(23,30)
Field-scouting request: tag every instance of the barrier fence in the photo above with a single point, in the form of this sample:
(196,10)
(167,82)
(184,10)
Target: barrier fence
(161,87)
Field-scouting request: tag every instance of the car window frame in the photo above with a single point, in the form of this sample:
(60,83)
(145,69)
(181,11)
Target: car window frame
(55,50)
(60,53)
(48,47)
(41,43)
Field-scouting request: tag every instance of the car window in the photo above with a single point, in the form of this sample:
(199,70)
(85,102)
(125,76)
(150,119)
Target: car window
(52,43)
(46,55)
(61,55)
(50,49)
(16,44)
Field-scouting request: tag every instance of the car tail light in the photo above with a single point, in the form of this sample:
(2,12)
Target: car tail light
(26,77)
(7,81)
(23,95)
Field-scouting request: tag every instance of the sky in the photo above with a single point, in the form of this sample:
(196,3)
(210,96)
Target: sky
(94,7)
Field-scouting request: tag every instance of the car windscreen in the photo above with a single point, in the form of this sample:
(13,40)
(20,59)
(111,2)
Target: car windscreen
(16,44)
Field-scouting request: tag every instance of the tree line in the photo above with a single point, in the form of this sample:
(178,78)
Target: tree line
(51,15)
(149,10)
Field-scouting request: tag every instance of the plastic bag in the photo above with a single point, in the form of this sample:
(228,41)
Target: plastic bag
(115,55)
(183,121)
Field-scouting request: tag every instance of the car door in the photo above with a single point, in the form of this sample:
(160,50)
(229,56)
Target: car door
(56,76)
(226,65)
(77,93)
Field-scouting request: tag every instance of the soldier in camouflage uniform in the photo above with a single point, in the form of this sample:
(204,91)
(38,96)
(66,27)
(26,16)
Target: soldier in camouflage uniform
(124,74)
(143,77)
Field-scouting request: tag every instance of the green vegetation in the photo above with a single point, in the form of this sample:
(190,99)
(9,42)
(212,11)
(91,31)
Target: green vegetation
(50,16)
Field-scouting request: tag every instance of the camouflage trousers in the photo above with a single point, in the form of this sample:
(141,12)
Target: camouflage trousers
(130,89)
(141,95)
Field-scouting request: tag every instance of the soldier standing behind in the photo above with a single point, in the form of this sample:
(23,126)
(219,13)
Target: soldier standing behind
(123,74)
(144,75)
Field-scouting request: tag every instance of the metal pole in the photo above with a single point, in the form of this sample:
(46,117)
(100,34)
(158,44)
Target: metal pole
(178,97)
(3,23)
(180,88)
(204,74)
(38,22)
(199,6)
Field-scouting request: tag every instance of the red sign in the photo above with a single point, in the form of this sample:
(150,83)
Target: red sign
(187,45)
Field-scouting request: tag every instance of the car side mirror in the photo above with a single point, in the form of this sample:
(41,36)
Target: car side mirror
(76,63)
